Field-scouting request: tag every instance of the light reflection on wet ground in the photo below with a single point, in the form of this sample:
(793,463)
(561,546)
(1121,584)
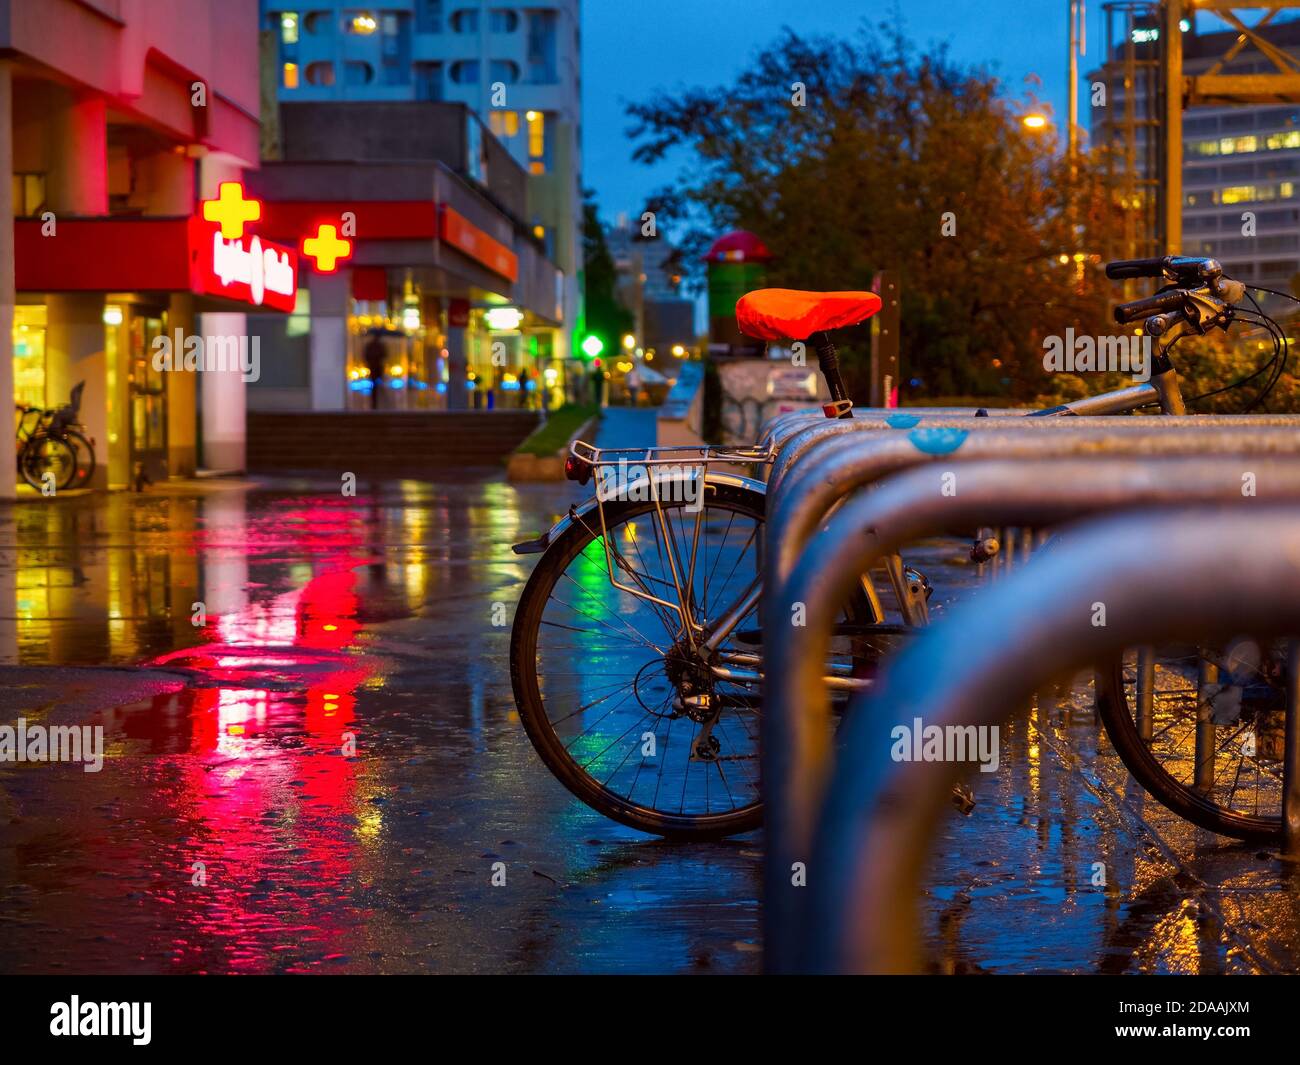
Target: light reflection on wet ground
(326,621)
(232,831)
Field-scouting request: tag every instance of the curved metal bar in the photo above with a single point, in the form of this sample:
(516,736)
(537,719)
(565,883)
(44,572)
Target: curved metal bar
(916,503)
(880,814)
(790,447)
(839,466)
(783,424)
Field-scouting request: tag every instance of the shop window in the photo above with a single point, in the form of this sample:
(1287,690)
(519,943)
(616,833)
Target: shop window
(29,354)
(29,194)
(320,73)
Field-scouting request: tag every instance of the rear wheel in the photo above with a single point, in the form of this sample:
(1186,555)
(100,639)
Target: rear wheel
(620,706)
(1211,748)
(85,453)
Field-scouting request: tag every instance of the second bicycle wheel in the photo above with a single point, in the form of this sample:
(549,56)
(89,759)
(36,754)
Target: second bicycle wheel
(620,707)
(48,460)
(1210,747)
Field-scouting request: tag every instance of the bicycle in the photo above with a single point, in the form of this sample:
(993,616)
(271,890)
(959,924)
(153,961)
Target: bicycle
(56,443)
(637,676)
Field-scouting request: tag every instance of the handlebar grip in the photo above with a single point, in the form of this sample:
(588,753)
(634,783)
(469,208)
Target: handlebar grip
(1126,268)
(1145,308)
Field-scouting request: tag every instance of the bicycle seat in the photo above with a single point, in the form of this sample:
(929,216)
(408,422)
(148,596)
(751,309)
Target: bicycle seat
(788,313)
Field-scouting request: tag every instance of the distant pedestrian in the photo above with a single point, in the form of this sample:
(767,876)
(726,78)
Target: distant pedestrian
(525,400)
(375,356)
(633,383)
(598,386)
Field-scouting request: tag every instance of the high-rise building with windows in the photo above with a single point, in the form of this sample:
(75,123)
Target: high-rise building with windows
(1241,163)
(516,65)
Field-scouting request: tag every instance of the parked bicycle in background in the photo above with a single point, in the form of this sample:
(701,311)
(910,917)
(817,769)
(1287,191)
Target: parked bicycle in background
(54,448)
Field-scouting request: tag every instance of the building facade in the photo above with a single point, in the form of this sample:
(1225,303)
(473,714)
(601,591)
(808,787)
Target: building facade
(513,65)
(1241,163)
(117,117)
(444,298)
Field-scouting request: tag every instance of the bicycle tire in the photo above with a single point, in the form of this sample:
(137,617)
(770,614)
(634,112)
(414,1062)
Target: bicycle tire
(81,445)
(1117,717)
(541,730)
(29,458)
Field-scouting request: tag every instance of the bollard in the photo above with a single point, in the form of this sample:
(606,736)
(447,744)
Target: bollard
(796,714)
(873,833)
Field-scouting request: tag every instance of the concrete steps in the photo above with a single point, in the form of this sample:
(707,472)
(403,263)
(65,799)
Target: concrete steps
(376,442)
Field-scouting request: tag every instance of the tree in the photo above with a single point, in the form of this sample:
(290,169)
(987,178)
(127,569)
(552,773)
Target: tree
(901,160)
(606,317)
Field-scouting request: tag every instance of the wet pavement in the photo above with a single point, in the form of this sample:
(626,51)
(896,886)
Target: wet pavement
(313,763)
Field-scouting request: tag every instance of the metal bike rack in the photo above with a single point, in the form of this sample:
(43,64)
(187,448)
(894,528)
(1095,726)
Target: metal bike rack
(791,421)
(791,446)
(880,815)
(839,465)
(910,505)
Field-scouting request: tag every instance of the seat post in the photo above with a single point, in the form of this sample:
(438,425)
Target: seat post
(829,363)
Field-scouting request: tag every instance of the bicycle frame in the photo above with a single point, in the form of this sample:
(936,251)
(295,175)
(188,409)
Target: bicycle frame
(660,466)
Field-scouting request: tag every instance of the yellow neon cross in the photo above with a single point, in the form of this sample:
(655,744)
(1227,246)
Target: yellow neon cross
(326,248)
(231,210)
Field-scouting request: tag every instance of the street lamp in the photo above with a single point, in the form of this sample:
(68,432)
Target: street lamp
(629,341)
(1034,122)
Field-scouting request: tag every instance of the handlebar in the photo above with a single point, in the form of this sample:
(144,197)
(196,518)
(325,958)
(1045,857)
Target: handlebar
(1160,303)
(1184,269)
(1123,269)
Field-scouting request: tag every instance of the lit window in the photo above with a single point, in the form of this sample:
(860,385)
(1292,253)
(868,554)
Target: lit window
(291,75)
(536,135)
(289,27)
(537,167)
(1290,139)
(1238,145)
(364,24)
(504,123)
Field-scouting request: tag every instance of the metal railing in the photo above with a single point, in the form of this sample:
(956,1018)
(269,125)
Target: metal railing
(914,504)
(879,815)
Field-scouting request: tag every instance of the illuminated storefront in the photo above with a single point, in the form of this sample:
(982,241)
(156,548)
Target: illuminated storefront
(445,302)
(74,326)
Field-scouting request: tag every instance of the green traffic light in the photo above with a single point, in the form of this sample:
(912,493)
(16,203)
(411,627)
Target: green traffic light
(592,346)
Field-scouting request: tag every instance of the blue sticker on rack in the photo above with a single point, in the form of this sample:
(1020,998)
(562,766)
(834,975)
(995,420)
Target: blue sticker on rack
(937,441)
